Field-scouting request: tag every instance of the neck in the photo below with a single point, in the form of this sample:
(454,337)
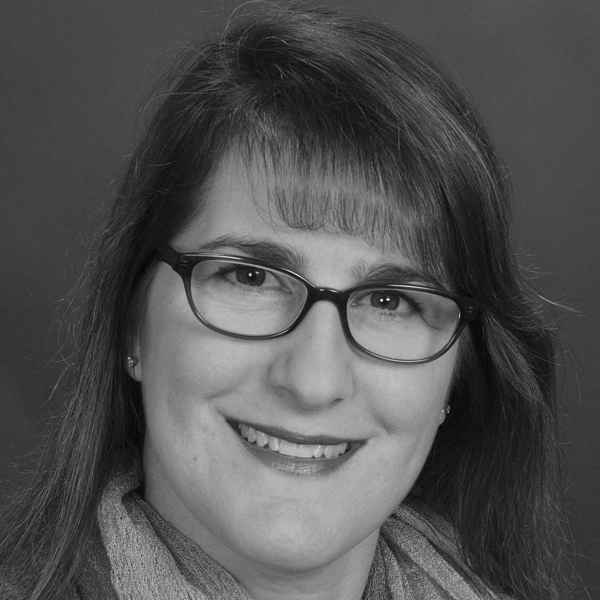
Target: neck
(345,577)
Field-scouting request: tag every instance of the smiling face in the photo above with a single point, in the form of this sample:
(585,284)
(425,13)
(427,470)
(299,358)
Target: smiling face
(251,508)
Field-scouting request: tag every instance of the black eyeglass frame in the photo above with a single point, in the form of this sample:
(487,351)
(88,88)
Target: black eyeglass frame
(183,264)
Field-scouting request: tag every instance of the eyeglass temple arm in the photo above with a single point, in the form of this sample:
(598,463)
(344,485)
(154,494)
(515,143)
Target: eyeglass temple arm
(168,255)
(470,311)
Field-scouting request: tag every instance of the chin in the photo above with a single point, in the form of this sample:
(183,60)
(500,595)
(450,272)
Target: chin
(290,538)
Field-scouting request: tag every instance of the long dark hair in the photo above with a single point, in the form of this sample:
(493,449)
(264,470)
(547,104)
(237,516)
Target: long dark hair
(362,132)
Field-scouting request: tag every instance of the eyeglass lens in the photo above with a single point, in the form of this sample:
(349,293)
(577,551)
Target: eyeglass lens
(246,299)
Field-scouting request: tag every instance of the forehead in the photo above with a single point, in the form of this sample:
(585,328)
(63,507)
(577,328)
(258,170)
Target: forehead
(237,212)
(241,213)
(254,192)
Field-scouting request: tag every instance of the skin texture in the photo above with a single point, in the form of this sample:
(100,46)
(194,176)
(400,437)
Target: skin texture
(280,535)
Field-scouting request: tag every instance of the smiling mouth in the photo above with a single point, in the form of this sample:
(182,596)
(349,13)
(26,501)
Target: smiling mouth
(282,446)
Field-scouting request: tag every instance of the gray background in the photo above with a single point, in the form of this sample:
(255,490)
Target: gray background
(73,78)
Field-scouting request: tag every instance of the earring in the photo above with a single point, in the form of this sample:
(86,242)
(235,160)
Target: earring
(132,361)
(444,412)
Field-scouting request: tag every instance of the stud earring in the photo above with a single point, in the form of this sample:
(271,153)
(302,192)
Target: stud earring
(444,412)
(132,361)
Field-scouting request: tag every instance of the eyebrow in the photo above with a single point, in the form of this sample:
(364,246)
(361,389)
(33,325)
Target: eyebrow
(391,273)
(283,257)
(276,254)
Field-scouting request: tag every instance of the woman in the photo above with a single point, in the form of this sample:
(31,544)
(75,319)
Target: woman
(306,366)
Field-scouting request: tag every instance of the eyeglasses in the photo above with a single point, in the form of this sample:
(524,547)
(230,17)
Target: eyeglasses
(249,299)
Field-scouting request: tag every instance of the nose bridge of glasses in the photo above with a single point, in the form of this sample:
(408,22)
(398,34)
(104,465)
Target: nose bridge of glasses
(318,294)
(329,295)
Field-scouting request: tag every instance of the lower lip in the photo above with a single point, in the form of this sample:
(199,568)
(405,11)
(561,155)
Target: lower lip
(294,465)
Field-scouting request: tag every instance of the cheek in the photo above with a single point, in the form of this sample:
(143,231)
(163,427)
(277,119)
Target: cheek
(188,371)
(407,407)
(410,399)
(178,356)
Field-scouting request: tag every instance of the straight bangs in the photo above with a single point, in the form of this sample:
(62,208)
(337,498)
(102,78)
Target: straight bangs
(320,185)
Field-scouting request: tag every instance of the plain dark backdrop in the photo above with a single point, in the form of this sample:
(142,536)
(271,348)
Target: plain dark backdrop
(73,78)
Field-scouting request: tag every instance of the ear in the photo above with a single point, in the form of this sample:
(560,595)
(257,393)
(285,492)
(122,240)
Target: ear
(444,413)
(134,359)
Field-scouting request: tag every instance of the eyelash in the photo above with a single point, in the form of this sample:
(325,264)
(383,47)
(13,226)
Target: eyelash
(411,302)
(224,272)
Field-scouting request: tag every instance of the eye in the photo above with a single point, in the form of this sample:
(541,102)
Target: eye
(390,301)
(251,276)
(386,299)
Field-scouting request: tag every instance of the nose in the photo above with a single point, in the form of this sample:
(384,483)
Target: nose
(313,363)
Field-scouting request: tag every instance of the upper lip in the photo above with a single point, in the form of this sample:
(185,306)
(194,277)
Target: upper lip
(294,438)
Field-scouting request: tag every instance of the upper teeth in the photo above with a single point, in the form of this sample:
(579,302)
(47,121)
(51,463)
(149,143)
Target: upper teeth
(254,436)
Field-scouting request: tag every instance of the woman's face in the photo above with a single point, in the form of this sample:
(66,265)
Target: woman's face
(259,509)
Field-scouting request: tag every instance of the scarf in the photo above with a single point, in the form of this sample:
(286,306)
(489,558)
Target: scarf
(416,556)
